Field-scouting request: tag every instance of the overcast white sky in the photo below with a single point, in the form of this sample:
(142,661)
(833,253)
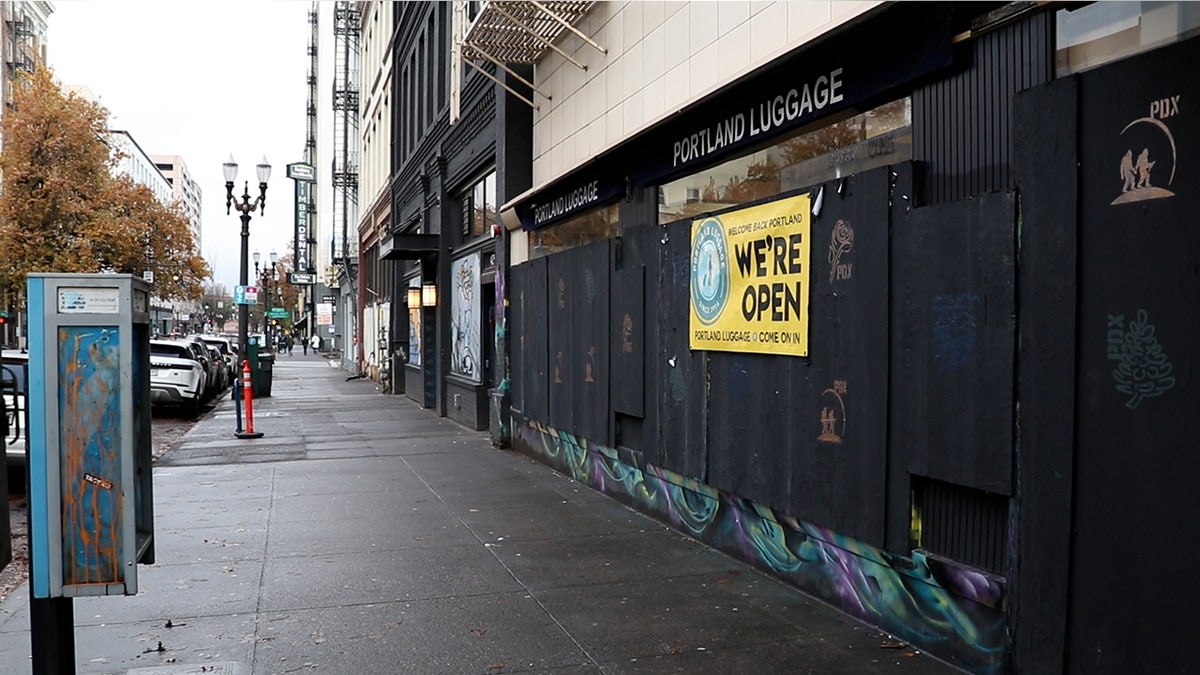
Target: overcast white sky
(200,80)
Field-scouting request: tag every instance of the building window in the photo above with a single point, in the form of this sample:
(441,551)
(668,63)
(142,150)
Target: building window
(414,327)
(1100,32)
(595,225)
(867,140)
(479,207)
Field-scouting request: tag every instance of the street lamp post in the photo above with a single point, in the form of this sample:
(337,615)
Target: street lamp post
(245,207)
(267,275)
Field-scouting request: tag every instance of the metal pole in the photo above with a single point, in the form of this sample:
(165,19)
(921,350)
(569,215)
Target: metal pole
(51,623)
(267,328)
(244,280)
(51,635)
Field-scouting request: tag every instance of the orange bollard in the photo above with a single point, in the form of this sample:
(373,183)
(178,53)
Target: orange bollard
(248,398)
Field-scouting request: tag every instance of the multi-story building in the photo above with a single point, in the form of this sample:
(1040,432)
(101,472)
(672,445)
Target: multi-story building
(894,301)
(23,43)
(168,315)
(22,40)
(374,189)
(439,250)
(185,191)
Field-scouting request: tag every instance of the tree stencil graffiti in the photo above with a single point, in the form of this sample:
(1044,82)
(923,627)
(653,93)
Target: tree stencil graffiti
(1142,368)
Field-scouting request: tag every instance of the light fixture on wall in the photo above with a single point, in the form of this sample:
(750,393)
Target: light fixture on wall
(414,297)
(429,294)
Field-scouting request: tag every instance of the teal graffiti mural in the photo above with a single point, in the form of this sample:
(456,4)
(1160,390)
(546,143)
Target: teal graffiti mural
(952,612)
(1142,370)
(500,347)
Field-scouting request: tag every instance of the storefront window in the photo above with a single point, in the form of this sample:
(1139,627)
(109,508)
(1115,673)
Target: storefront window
(874,138)
(479,207)
(1101,32)
(595,225)
(414,327)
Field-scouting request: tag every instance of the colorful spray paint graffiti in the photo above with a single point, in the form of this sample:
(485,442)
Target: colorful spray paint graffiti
(500,401)
(951,612)
(89,373)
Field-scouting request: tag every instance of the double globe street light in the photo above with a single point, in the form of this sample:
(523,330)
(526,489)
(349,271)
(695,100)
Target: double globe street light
(245,207)
(266,275)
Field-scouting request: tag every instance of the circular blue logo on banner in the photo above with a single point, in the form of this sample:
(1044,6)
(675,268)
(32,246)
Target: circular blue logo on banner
(710,271)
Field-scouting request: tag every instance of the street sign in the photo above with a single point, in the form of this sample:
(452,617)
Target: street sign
(301,171)
(278,313)
(302,278)
(245,295)
(328,298)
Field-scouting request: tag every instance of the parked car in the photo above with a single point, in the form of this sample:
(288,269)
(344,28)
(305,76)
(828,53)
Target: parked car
(228,349)
(221,366)
(14,376)
(178,379)
(211,367)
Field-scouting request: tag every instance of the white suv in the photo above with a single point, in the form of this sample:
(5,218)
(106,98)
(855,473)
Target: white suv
(177,379)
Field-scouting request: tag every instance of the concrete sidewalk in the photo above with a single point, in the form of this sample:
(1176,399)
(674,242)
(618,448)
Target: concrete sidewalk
(363,534)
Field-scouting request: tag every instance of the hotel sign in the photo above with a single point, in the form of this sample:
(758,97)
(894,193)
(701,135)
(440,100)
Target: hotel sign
(304,175)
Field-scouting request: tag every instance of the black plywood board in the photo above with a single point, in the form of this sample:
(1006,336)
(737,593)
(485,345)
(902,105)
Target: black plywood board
(628,343)
(679,374)
(1135,498)
(953,319)
(562,285)
(529,280)
(589,339)
(807,435)
(1044,165)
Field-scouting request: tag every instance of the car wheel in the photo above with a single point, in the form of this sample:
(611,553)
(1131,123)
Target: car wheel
(192,409)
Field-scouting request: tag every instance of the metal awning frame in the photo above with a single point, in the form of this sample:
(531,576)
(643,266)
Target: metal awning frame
(508,70)
(498,35)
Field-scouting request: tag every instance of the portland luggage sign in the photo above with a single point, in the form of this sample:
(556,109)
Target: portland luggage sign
(750,279)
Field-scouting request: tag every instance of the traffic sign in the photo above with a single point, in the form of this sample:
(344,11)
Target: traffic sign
(278,313)
(302,278)
(328,298)
(245,295)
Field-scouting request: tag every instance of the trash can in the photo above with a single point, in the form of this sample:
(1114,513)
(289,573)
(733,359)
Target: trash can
(266,368)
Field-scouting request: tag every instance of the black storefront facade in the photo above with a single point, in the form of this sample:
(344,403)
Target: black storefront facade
(984,446)
(447,181)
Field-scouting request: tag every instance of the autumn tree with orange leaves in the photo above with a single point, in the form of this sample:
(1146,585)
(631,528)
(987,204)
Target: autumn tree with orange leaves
(63,210)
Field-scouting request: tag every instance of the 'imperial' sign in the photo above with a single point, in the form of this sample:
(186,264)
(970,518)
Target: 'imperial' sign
(750,279)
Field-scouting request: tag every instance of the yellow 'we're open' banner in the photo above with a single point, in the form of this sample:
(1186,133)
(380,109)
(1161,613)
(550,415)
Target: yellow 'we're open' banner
(749,279)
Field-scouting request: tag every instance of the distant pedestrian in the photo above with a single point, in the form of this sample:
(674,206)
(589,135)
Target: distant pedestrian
(315,343)
(304,345)
(290,344)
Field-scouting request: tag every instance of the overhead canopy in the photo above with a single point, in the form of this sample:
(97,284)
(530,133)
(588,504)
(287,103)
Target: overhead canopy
(408,246)
(522,31)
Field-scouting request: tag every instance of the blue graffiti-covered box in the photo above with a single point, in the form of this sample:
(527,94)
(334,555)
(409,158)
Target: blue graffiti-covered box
(89,453)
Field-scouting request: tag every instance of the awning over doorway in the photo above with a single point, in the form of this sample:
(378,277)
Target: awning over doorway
(408,246)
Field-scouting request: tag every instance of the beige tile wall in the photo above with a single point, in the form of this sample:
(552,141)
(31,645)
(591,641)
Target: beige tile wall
(661,56)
